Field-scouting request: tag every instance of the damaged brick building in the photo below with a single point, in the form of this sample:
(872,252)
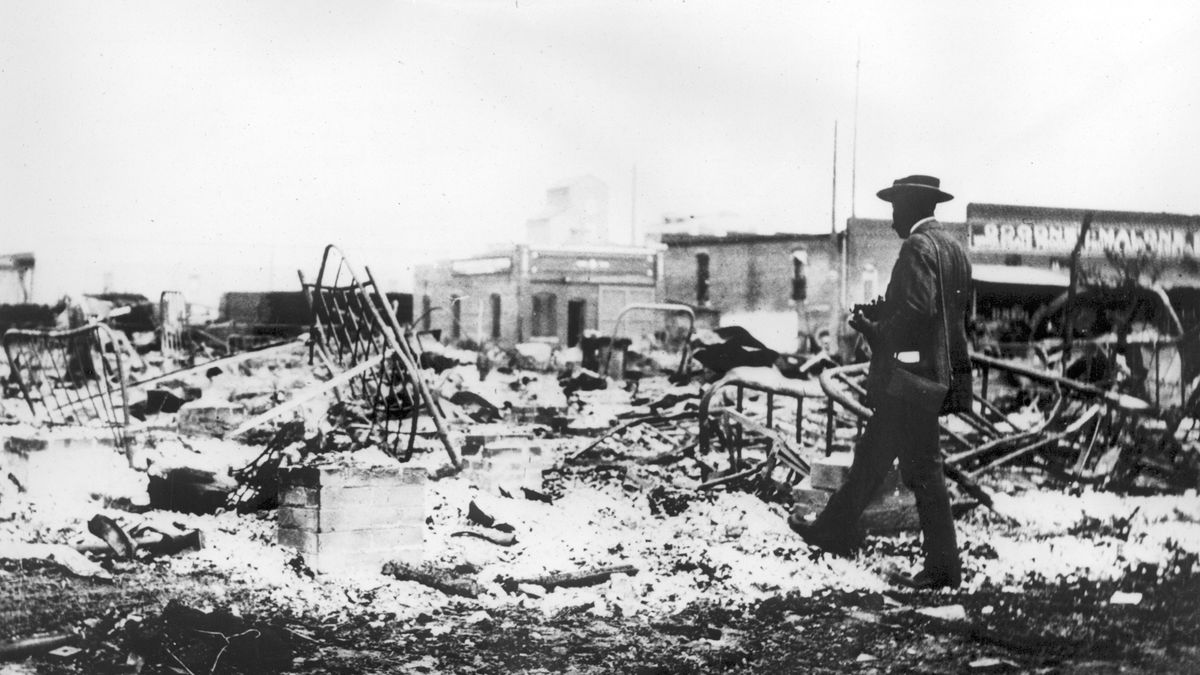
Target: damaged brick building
(569,278)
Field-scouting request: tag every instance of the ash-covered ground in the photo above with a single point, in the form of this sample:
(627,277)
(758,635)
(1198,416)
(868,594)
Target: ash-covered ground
(1058,578)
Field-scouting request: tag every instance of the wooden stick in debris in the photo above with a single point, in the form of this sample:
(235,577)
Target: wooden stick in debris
(497,538)
(729,478)
(971,488)
(434,578)
(305,396)
(670,456)
(1033,431)
(576,579)
(161,544)
(630,423)
(224,360)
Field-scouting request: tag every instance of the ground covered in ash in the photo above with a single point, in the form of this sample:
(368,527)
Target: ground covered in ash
(1057,578)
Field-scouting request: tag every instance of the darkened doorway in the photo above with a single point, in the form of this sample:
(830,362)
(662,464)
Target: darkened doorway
(576,311)
(495,316)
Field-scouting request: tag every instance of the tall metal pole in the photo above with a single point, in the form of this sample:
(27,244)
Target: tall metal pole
(835,317)
(833,207)
(633,210)
(854,144)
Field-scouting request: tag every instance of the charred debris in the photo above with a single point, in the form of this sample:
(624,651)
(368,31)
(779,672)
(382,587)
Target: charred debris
(705,412)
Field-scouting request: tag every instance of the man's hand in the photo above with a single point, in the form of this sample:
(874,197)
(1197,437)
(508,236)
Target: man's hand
(862,324)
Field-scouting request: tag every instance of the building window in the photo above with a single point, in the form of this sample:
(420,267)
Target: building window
(426,311)
(701,278)
(456,317)
(799,278)
(495,316)
(545,316)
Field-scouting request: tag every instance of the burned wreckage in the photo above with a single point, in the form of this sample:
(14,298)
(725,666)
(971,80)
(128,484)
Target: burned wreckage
(365,458)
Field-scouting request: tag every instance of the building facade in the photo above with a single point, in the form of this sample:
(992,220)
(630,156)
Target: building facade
(872,247)
(757,275)
(1021,255)
(1159,249)
(540,294)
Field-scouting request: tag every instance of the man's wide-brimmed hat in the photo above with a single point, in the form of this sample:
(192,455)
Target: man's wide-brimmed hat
(917,186)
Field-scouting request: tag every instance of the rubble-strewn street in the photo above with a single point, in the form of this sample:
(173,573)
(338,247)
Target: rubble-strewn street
(552,549)
(599,337)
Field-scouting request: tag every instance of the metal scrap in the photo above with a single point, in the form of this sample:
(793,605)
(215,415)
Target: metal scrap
(353,325)
(74,376)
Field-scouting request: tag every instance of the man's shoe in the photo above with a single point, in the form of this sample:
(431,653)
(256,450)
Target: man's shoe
(926,580)
(817,539)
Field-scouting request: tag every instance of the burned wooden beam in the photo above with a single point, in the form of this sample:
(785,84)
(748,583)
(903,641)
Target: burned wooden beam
(437,579)
(590,577)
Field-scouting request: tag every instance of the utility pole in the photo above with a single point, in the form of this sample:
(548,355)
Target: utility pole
(854,144)
(833,206)
(633,210)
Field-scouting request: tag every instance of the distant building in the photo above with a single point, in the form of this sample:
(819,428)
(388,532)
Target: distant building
(567,279)
(1020,255)
(576,214)
(872,247)
(536,293)
(1012,246)
(787,275)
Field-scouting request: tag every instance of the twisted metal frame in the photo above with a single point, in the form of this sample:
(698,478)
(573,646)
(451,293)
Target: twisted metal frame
(352,325)
(665,308)
(71,377)
(1080,423)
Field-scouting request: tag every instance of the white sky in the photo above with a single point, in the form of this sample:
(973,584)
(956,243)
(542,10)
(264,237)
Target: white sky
(217,145)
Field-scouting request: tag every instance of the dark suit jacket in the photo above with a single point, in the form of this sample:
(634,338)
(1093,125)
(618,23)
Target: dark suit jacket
(912,318)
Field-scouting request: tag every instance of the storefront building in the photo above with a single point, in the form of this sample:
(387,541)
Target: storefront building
(542,294)
(753,277)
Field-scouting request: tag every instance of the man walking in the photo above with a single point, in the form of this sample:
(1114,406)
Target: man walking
(920,368)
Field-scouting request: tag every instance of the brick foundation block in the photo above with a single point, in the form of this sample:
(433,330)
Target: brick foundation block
(894,510)
(829,473)
(204,418)
(511,464)
(355,551)
(352,519)
(484,434)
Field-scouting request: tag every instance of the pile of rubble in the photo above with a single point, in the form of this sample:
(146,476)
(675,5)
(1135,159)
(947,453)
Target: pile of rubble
(364,474)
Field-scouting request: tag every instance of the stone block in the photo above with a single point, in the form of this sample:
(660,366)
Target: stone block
(325,518)
(510,464)
(893,510)
(513,450)
(829,473)
(889,514)
(483,434)
(354,551)
(351,476)
(534,414)
(352,519)
(337,496)
(208,418)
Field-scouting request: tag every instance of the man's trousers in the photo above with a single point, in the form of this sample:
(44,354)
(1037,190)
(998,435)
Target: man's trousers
(901,430)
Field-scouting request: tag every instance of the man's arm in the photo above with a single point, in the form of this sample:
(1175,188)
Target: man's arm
(912,297)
